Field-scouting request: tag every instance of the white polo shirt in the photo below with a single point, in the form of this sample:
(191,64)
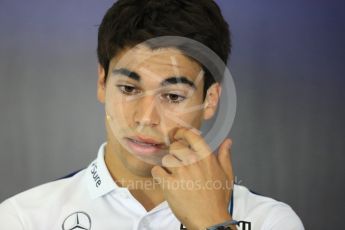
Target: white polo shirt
(91,200)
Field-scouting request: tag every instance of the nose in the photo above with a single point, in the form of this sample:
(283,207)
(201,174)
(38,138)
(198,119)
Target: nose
(147,112)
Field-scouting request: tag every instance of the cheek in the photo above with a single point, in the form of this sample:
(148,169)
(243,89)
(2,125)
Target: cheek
(194,119)
(123,111)
(120,113)
(185,115)
(184,119)
(117,104)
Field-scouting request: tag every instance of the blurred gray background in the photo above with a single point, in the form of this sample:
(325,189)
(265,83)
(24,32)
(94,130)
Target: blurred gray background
(287,63)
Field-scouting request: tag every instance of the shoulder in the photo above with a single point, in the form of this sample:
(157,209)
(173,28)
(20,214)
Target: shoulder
(54,190)
(14,213)
(264,211)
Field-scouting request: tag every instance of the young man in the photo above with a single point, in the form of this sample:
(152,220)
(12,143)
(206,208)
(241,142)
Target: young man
(155,171)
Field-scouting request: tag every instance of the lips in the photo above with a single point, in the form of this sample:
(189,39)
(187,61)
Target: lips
(146,140)
(144,145)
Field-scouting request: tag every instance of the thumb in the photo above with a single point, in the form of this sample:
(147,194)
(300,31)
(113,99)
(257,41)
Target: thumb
(224,158)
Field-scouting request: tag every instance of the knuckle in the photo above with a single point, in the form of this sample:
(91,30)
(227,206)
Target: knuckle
(166,160)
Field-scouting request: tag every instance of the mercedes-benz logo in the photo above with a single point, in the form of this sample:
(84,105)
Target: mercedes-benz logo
(77,221)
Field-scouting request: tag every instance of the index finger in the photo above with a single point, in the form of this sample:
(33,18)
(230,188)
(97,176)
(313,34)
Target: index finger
(195,141)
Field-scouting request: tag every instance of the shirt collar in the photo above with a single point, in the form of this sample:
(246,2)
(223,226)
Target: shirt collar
(99,180)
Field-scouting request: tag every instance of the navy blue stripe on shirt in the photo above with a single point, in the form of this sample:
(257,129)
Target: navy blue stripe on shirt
(70,175)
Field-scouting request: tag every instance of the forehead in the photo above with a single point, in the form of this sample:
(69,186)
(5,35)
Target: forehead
(162,61)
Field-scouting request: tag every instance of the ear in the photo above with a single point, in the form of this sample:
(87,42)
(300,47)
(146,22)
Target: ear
(101,84)
(211,100)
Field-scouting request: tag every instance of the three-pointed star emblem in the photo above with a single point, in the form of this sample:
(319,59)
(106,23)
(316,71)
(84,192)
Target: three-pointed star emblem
(77,221)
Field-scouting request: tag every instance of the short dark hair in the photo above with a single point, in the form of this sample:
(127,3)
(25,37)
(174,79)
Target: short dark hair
(130,22)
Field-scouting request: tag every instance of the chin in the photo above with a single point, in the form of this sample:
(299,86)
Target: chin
(138,167)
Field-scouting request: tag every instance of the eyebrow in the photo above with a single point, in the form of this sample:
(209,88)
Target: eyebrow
(168,81)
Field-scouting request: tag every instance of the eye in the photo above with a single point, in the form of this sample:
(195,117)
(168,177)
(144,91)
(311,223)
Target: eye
(173,98)
(128,90)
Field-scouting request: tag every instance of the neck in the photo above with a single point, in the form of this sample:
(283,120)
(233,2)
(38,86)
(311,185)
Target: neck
(142,187)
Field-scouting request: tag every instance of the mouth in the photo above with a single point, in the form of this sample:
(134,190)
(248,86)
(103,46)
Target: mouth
(144,146)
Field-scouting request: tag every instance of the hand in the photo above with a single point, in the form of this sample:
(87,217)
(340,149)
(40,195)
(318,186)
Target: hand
(196,183)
